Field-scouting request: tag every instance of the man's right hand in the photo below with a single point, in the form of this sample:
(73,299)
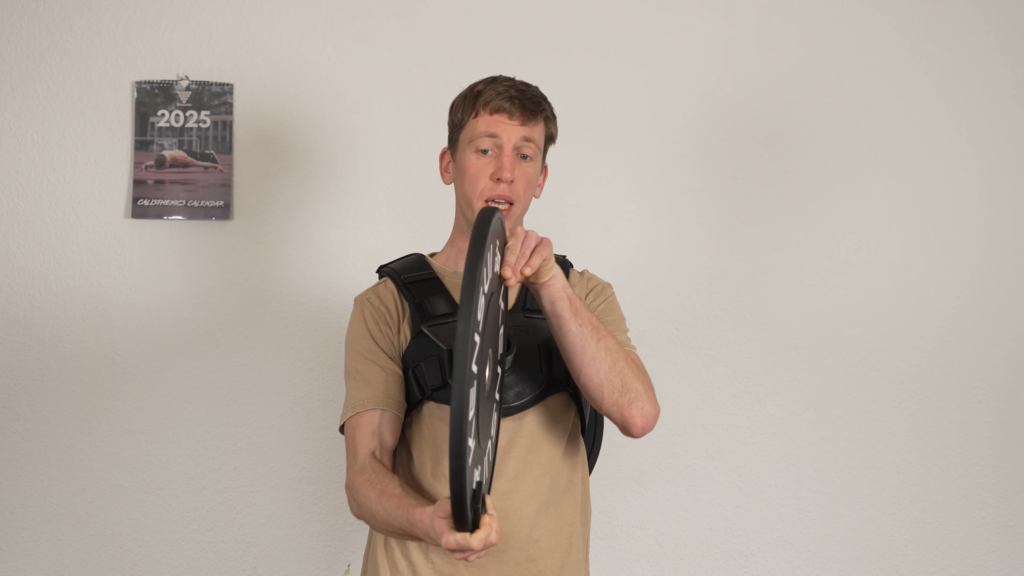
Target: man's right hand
(378,497)
(463,545)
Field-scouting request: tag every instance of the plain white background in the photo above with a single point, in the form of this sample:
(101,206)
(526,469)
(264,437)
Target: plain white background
(811,213)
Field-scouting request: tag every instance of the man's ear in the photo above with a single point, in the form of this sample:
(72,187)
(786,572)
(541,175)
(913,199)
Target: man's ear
(445,166)
(540,183)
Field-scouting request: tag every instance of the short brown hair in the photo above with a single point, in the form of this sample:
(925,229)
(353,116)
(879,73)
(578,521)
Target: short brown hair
(160,162)
(519,100)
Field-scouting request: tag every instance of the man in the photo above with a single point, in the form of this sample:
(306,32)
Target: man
(183,159)
(499,133)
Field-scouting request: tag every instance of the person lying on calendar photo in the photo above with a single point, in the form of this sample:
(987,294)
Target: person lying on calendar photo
(183,159)
(396,421)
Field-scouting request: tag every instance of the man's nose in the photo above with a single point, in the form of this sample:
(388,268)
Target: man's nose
(504,169)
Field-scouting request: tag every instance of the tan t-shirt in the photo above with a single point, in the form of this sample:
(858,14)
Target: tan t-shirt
(541,487)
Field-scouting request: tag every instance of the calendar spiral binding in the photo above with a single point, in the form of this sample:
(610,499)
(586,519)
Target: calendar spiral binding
(191,83)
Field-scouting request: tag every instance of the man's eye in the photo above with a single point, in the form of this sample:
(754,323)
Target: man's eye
(524,157)
(485,151)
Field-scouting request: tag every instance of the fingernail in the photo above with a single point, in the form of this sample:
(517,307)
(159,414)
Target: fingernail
(527,270)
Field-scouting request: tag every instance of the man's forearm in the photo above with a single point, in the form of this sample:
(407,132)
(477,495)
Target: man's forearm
(378,497)
(612,378)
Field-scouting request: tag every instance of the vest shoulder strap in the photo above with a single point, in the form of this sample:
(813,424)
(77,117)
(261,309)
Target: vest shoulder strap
(427,296)
(429,300)
(563,263)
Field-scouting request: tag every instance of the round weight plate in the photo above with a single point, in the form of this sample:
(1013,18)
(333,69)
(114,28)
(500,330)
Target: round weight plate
(477,366)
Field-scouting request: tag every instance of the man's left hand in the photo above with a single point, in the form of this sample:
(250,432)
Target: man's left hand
(529,258)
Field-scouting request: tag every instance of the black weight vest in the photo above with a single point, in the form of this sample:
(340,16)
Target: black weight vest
(533,367)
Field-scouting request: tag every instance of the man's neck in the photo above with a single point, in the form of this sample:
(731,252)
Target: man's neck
(453,255)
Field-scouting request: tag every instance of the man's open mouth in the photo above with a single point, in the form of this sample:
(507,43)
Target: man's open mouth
(500,203)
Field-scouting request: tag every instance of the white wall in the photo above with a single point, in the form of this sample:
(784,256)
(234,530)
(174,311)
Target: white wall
(811,213)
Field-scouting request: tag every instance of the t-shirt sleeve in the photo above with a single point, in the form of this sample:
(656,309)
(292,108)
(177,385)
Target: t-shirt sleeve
(599,297)
(373,358)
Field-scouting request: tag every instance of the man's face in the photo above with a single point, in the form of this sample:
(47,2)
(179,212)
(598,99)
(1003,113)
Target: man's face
(499,164)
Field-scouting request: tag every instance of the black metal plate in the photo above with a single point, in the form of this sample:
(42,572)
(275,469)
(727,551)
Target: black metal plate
(477,371)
